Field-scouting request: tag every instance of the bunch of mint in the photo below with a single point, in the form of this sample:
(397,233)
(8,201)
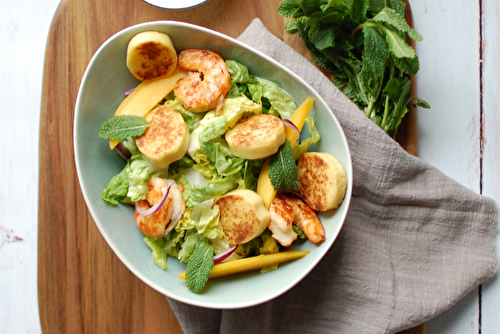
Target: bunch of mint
(362,43)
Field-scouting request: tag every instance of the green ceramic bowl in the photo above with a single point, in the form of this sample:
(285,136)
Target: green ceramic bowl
(101,91)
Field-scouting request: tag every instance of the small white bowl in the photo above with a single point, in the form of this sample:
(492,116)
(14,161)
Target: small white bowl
(175,4)
(101,91)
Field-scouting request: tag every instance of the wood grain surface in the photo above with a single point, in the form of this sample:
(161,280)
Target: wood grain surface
(82,286)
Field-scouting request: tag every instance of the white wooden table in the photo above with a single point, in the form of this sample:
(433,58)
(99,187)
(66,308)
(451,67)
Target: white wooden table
(460,135)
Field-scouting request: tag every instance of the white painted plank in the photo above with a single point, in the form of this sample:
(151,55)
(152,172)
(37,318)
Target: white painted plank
(448,133)
(490,309)
(24,27)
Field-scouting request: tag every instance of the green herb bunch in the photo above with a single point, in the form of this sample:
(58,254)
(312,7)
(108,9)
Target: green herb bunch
(362,43)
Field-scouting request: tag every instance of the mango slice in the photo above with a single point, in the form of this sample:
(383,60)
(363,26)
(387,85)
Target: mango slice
(146,96)
(264,186)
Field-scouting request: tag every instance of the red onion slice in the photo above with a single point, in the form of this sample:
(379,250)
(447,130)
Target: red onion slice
(289,124)
(127,93)
(122,151)
(154,209)
(222,256)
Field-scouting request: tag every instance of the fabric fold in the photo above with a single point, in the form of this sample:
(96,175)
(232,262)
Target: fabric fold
(413,244)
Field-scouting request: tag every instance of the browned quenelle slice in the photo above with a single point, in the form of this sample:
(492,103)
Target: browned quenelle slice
(322,180)
(256,136)
(243,215)
(151,54)
(166,139)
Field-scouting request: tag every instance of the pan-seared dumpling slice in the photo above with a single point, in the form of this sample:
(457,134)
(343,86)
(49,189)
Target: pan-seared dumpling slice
(151,54)
(322,180)
(256,136)
(166,139)
(243,215)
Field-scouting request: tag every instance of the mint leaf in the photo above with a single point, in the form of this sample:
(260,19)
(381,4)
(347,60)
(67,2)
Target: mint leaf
(398,6)
(123,126)
(311,6)
(290,9)
(375,6)
(199,267)
(375,55)
(358,10)
(419,102)
(360,64)
(282,169)
(398,46)
(407,65)
(322,38)
(397,21)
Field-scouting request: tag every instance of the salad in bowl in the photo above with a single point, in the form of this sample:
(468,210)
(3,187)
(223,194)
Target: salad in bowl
(230,171)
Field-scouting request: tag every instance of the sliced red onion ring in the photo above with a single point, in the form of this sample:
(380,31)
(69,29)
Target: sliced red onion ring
(122,151)
(222,256)
(295,193)
(127,93)
(289,124)
(154,208)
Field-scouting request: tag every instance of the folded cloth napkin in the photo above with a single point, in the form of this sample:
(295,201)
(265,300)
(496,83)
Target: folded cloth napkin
(414,241)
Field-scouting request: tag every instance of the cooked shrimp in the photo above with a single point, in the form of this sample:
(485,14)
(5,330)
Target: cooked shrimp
(207,82)
(164,220)
(285,211)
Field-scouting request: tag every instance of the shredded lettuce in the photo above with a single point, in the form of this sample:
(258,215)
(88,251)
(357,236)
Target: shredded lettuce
(209,225)
(305,143)
(238,107)
(192,239)
(260,90)
(213,189)
(191,119)
(210,151)
(239,72)
(116,190)
(157,246)
(282,104)
(138,175)
(131,184)
(173,242)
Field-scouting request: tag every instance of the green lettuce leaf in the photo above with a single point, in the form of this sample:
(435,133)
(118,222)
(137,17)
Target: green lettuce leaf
(216,149)
(157,246)
(192,240)
(238,107)
(213,189)
(282,104)
(209,225)
(239,72)
(134,178)
(116,190)
(301,148)
(138,175)
(191,119)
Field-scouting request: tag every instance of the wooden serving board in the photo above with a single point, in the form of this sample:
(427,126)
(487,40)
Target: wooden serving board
(82,286)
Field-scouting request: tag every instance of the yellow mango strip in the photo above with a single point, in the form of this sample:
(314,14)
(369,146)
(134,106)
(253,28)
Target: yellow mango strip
(264,185)
(251,263)
(298,119)
(146,96)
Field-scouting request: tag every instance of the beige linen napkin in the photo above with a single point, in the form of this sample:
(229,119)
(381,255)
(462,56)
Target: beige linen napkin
(413,244)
